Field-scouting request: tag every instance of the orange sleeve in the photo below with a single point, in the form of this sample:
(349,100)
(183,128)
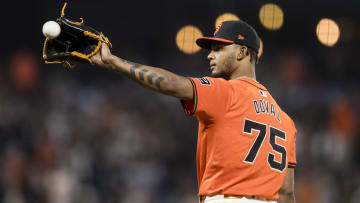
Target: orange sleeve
(211,96)
(292,153)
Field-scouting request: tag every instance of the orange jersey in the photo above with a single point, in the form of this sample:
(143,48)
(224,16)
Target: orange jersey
(245,141)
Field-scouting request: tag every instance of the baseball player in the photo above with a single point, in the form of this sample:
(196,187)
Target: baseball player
(246,143)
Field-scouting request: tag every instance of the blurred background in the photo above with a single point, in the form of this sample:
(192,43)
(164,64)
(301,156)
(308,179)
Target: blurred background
(90,135)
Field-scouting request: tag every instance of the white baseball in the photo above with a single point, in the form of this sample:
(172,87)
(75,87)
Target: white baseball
(51,29)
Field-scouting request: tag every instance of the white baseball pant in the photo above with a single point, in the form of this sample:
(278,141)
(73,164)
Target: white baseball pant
(222,199)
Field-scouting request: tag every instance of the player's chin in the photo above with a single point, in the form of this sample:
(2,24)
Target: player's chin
(219,74)
(214,72)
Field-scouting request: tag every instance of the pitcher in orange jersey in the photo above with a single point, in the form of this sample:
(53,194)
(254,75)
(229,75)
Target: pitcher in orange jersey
(246,143)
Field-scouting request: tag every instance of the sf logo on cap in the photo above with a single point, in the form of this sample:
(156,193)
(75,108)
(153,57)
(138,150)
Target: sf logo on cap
(240,37)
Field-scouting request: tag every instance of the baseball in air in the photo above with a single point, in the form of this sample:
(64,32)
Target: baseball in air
(51,29)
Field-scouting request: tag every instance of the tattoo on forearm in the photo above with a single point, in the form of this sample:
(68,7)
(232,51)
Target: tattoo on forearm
(145,78)
(132,70)
(158,81)
(150,77)
(141,74)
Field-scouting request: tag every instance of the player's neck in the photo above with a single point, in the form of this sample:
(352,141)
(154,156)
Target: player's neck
(245,72)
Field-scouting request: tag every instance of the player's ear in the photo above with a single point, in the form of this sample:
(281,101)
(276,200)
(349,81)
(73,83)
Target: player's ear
(242,52)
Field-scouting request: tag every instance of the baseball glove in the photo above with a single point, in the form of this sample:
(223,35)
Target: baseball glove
(76,42)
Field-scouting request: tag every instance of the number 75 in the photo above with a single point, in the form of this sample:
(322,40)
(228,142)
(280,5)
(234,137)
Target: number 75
(250,125)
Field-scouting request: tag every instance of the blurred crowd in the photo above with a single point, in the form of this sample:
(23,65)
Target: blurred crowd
(69,138)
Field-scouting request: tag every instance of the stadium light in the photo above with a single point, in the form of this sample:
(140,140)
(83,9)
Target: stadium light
(186,37)
(328,32)
(271,16)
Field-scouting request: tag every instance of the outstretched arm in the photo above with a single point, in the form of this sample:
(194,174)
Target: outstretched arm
(156,79)
(286,193)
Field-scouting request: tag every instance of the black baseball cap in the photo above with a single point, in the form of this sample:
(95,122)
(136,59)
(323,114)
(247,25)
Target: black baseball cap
(233,32)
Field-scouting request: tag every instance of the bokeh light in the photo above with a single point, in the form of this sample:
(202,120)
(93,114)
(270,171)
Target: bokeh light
(271,16)
(24,69)
(186,37)
(328,32)
(225,17)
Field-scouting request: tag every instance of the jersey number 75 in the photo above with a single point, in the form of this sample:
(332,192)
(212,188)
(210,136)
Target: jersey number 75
(250,125)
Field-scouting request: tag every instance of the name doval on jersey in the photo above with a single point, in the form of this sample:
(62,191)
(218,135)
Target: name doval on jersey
(263,107)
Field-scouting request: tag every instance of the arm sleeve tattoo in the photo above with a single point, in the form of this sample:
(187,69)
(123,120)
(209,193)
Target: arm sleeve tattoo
(156,79)
(147,76)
